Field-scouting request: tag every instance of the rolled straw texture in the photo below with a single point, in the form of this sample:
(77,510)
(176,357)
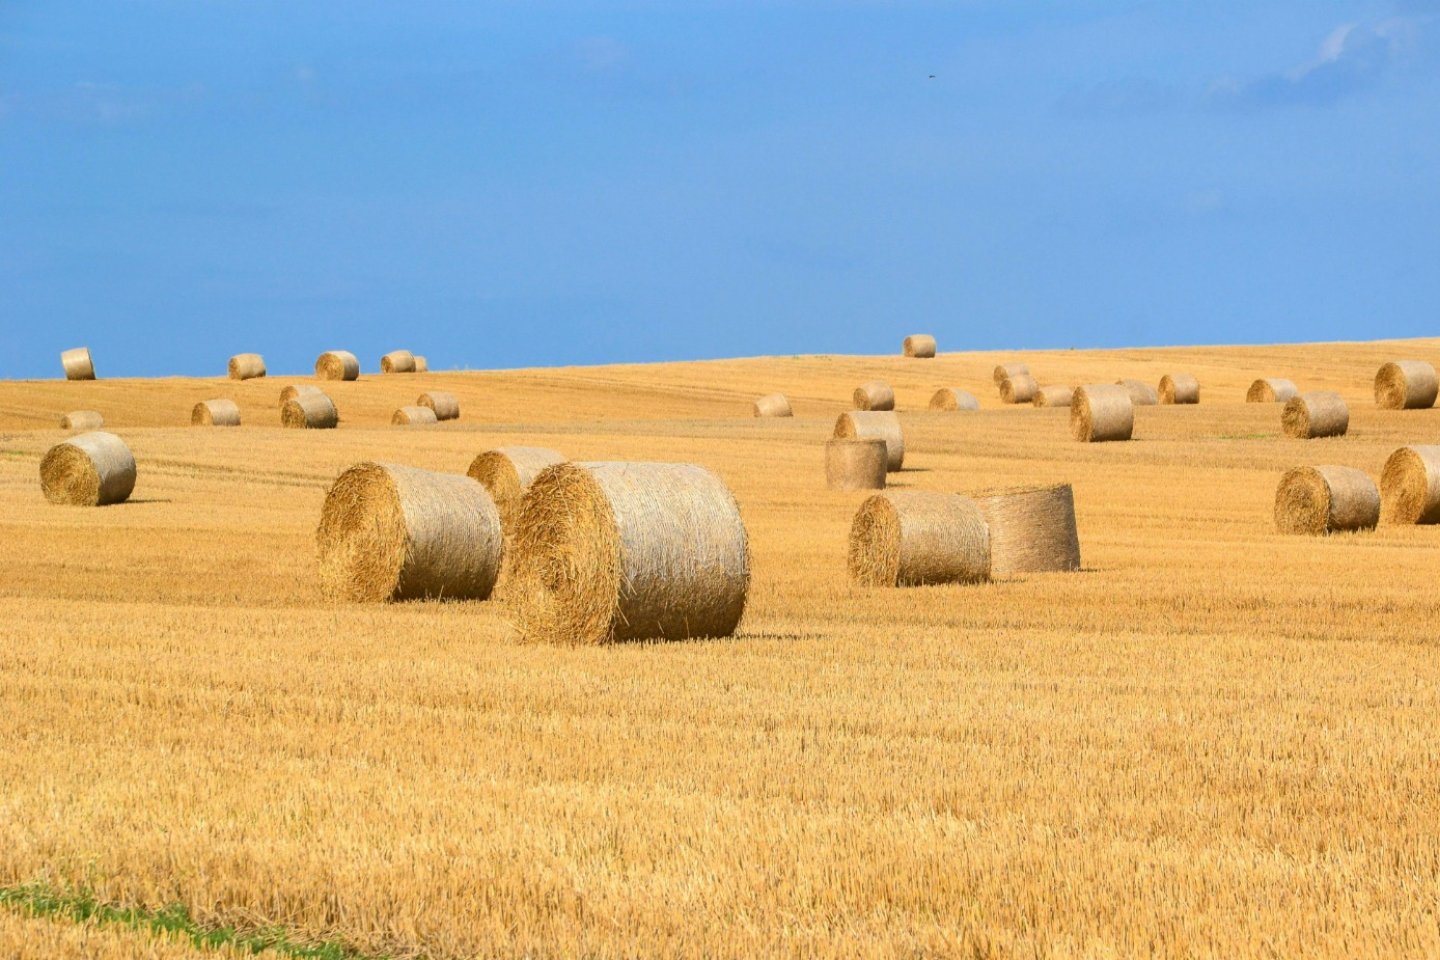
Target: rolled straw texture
(292,391)
(1410,485)
(215,413)
(856,464)
(772,405)
(1320,500)
(247,366)
(507,473)
(82,420)
(77,364)
(1008,370)
(337,365)
(1406,385)
(906,538)
(1179,388)
(874,395)
(1318,413)
(1101,412)
(1270,390)
(398,361)
(628,551)
(875,425)
(1031,530)
(1056,395)
(91,470)
(919,345)
(1020,388)
(421,364)
(413,416)
(390,532)
(1141,394)
(949,398)
(445,405)
(309,412)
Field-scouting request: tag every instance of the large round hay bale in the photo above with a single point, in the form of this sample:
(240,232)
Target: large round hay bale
(1141,394)
(77,364)
(875,425)
(1055,395)
(82,420)
(421,364)
(628,551)
(1179,388)
(856,464)
(309,412)
(874,395)
(413,416)
(1318,413)
(292,391)
(1006,371)
(1410,485)
(905,538)
(507,473)
(1020,388)
(772,405)
(919,345)
(1270,390)
(215,413)
(389,532)
(91,470)
(1032,530)
(398,361)
(1100,412)
(247,366)
(949,398)
(1406,385)
(1318,500)
(337,365)
(445,405)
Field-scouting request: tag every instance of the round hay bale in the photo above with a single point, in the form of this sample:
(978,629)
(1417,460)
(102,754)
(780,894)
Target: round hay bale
(91,470)
(875,425)
(413,416)
(1020,388)
(421,364)
(247,366)
(1056,395)
(855,463)
(507,473)
(82,420)
(398,361)
(1141,394)
(77,364)
(1320,500)
(628,551)
(1100,412)
(1406,385)
(874,395)
(908,538)
(337,365)
(1318,413)
(301,390)
(389,532)
(919,345)
(1270,390)
(1032,530)
(445,405)
(1007,371)
(949,398)
(1410,485)
(1179,388)
(309,412)
(215,413)
(772,405)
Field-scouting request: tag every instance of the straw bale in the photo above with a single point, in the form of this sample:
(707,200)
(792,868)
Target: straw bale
(312,412)
(1318,413)
(82,420)
(1179,388)
(1270,390)
(949,398)
(337,365)
(855,464)
(398,361)
(77,364)
(1321,500)
(1056,395)
(1032,530)
(1006,371)
(215,413)
(905,538)
(1100,412)
(919,345)
(413,416)
(772,405)
(1406,385)
(507,473)
(91,470)
(874,395)
(876,424)
(247,366)
(445,405)
(1020,388)
(1410,485)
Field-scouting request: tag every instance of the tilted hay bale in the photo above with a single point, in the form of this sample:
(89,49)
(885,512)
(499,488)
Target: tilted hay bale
(1319,413)
(1056,395)
(919,345)
(421,364)
(1319,500)
(1406,385)
(309,412)
(949,398)
(445,405)
(507,473)
(875,425)
(413,416)
(398,361)
(1179,388)
(82,420)
(215,413)
(1032,530)
(91,470)
(301,390)
(1007,371)
(247,366)
(77,364)
(856,464)
(390,532)
(1020,388)
(874,395)
(1141,394)
(1270,390)
(907,538)
(337,365)
(628,551)
(1100,412)
(1410,485)
(772,405)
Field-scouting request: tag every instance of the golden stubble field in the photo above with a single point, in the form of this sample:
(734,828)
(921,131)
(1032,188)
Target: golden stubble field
(1213,741)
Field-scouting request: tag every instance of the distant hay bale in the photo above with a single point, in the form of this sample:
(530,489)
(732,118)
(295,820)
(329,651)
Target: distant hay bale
(247,366)
(1032,530)
(1101,412)
(628,551)
(507,473)
(77,364)
(1318,413)
(390,532)
(292,391)
(875,425)
(445,405)
(856,463)
(82,420)
(1179,388)
(422,365)
(874,395)
(1320,500)
(309,412)
(949,398)
(1141,394)
(907,538)
(1270,390)
(413,416)
(772,405)
(215,413)
(1007,371)
(919,345)
(1410,485)
(337,365)
(1406,385)
(91,470)
(398,361)
(1056,395)
(1020,388)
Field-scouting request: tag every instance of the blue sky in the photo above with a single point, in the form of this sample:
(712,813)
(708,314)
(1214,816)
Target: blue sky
(511,184)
